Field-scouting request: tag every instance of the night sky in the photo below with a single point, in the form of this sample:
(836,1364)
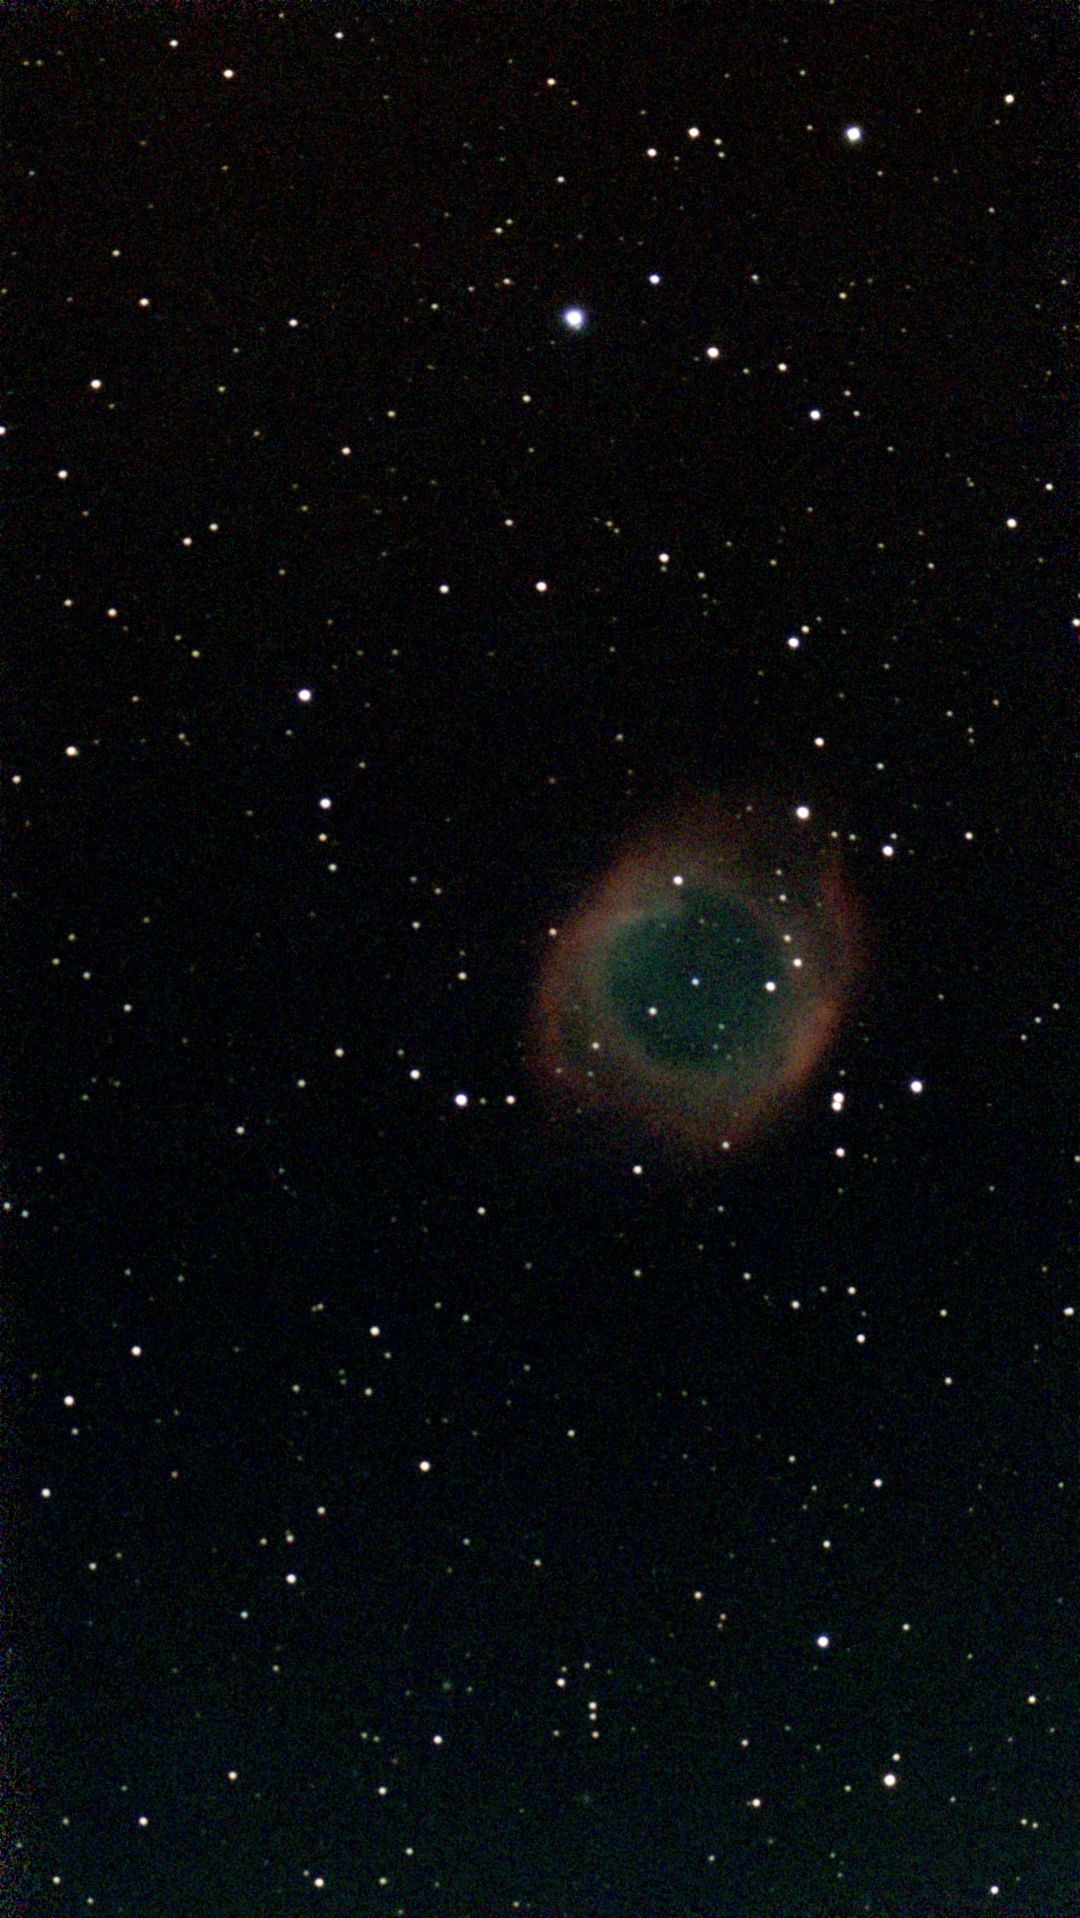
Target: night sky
(449,446)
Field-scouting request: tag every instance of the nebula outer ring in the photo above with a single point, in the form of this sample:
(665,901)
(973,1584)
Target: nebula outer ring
(771,879)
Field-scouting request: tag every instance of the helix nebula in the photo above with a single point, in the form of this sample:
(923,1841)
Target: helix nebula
(700,982)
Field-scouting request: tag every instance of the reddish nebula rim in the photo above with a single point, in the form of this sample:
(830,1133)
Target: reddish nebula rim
(767,876)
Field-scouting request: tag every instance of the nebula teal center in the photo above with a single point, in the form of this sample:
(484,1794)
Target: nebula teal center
(697,984)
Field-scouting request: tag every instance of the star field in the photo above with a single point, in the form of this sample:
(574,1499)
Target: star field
(439,441)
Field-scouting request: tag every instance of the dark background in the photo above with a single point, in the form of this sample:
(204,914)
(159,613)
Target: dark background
(678,1424)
